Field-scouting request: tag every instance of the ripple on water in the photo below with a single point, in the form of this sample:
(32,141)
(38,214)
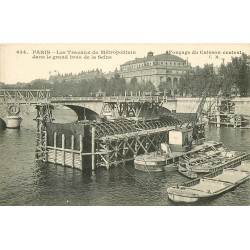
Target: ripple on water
(24,182)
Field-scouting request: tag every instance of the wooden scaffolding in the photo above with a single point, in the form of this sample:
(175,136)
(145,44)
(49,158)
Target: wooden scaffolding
(90,144)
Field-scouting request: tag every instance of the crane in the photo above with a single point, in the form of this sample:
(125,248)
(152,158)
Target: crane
(201,105)
(198,129)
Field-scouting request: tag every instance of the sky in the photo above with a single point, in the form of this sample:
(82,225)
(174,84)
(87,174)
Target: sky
(26,62)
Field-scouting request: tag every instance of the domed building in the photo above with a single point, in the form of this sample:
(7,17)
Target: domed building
(159,68)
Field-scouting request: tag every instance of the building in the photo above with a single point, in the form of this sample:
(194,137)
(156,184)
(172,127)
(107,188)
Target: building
(111,74)
(84,75)
(159,68)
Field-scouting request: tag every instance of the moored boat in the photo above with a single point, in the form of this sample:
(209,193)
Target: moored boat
(152,162)
(210,185)
(187,145)
(169,154)
(186,172)
(218,161)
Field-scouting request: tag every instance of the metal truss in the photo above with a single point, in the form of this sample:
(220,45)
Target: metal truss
(131,108)
(25,96)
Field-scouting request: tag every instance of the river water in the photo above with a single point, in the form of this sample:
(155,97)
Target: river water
(23,181)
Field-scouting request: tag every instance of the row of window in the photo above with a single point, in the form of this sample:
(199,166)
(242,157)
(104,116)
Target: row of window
(150,73)
(153,79)
(151,64)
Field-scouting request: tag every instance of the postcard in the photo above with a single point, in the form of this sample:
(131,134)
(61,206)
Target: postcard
(124,124)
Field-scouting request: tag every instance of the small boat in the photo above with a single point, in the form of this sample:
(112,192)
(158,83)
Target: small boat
(205,158)
(151,162)
(211,184)
(217,160)
(186,172)
(168,155)
(201,167)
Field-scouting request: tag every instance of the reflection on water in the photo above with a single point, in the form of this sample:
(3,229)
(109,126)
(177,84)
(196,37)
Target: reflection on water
(23,181)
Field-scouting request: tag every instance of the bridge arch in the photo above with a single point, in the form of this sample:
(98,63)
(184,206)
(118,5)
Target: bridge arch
(83,112)
(164,110)
(89,114)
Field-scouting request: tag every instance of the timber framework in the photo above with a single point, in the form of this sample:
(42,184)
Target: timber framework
(124,130)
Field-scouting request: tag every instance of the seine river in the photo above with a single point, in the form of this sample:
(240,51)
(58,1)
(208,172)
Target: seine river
(23,181)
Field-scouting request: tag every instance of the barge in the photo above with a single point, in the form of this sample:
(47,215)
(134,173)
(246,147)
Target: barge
(181,150)
(211,185)
(152,162)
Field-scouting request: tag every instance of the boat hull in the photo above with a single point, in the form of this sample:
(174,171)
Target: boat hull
(201,171)
(151,162)
(209,186)
(187,173)
(170,167)
(181,198)
(148,168)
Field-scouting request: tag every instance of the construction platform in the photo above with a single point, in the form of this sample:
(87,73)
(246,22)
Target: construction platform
(90,144)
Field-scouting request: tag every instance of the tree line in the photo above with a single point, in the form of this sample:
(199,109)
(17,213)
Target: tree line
(92,87)
(229,79)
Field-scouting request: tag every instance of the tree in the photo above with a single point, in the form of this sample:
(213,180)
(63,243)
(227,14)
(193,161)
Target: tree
(235,76)
(163,86)
(239,72)
(208,76)
(2,85)
(133,80)
(133,85)
(116,85)
(195,82)
(185,84)
(147,87)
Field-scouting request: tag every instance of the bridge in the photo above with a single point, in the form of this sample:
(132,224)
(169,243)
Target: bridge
(85,107)
(24,96)
(91,107)
(116,106)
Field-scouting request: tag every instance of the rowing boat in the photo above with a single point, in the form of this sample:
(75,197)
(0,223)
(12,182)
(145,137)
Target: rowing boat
(186,172)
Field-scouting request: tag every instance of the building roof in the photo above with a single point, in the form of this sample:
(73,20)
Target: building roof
(161,57)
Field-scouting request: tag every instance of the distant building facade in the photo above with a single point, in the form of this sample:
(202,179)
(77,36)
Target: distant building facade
(154,68)
(112,74)
(159,68)
(84,75)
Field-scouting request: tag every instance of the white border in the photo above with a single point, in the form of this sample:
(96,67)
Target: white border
(119,22)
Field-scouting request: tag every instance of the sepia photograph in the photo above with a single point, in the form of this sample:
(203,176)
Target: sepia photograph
(124,124)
